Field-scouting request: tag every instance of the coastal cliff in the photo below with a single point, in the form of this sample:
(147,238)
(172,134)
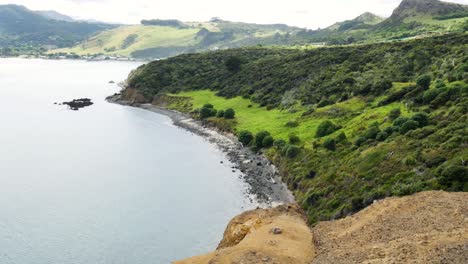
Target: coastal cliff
(428,227)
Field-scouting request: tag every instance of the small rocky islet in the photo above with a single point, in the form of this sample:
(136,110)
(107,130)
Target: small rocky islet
(77,104)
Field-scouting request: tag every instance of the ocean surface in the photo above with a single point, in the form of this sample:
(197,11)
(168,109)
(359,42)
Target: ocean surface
(107,183)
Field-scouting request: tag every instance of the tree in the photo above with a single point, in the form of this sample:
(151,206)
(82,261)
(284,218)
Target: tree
(233,64)
(291,151)
(421,118)
(229,113)
(325,128)
(245,137)
(424,81)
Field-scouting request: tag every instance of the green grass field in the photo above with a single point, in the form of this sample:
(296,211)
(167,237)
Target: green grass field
(354,115)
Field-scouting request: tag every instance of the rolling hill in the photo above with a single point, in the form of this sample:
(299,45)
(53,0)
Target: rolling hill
(161,38)
(165,38)
(21,27)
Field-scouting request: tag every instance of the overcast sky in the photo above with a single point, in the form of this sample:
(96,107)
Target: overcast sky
(302,13)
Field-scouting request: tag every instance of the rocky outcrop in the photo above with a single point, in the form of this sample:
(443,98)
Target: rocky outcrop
(428,227)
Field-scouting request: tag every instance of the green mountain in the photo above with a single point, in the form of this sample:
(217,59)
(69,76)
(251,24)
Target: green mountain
(21,27)
(50,14)
(164,38)
(345,125)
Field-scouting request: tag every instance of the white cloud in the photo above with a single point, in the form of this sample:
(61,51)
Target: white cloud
(303,13)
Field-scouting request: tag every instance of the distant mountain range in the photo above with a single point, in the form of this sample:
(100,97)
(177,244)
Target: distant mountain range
(163,38)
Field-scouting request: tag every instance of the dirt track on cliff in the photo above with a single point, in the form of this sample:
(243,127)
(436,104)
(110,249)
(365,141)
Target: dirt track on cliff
(428,227)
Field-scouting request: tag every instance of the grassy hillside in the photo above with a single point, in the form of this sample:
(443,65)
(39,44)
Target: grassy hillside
(349,124)
(164,40)
(20,27)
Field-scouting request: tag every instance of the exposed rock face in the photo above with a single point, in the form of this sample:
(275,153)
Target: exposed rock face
(248,239)
(428,227)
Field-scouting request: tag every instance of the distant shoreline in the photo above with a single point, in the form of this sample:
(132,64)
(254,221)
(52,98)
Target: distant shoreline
(262,177)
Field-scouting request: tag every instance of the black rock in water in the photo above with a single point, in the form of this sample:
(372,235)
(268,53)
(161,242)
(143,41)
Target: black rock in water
(76,104)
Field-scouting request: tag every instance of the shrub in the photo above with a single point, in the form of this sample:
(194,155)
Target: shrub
(245,137)
(229,113)
(454,177)
(408,126)
(291,151)
(208,106)
(381,136)
(293,139)
(329,144)
(292,124)
(430,95)
(267,142)
(394,113)
(259,138)
(341,137)
(372,131)
(279,143)
(360,141)
(400,121)
(220,113)
(207,112)
(421,118)
(325,128)
(388,130)
(424,81)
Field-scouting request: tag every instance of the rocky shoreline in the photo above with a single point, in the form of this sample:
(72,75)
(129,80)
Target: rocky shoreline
(262,177)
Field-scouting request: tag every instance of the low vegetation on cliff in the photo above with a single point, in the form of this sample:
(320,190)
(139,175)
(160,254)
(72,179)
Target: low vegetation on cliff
(345,125)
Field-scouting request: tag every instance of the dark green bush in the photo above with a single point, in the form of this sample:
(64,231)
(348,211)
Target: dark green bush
(220,113)
(208,106)
(341,137)
(267,142)
(372,131)
(400,121)
(325,128)
(454,177)
(245,137)
(329,144)
(360,141)
(382,136)
(293,139)
(394,113)
(421,118)
(229,113)
(207,112)
(279,143)
(292,124)
(291,151)
(424,81)
(408,126)
(259,138)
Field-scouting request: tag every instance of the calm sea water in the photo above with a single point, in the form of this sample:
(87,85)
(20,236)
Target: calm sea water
(108,183)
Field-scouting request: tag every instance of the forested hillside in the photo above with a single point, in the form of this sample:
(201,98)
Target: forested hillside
(345,125)
(21,28)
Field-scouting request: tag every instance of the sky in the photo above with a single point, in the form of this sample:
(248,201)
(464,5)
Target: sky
(311,14)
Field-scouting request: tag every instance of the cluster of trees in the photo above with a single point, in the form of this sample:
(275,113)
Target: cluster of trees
(263,139)
(164,22)
(208,110)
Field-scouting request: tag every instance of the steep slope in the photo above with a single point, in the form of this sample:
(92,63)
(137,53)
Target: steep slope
(164,38)
(413,17)
(22,27)
(428,227)
(352,124)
